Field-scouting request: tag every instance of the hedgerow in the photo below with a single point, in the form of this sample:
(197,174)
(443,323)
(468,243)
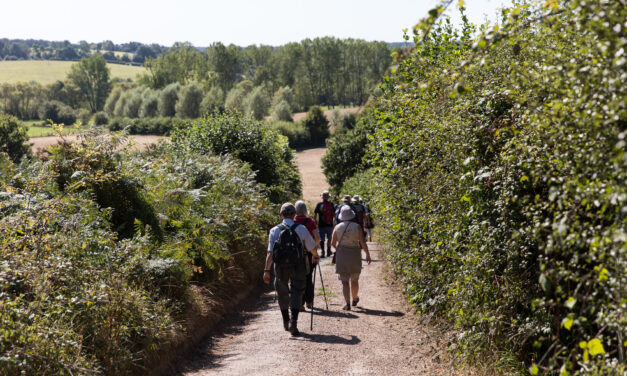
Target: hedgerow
(77,295)
(500,163)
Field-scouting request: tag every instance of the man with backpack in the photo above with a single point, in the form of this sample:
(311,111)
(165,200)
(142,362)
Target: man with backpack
(325,211)
(288,243)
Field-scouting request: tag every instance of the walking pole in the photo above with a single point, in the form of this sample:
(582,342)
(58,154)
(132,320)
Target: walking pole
(312,299)
(323,291)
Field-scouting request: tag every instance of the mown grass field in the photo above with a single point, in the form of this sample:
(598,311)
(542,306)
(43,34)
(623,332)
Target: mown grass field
(36,130)
(48,71)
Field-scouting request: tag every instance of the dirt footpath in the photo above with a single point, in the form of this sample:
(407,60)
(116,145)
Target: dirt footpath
(314,181)
(378,337)
(381,336)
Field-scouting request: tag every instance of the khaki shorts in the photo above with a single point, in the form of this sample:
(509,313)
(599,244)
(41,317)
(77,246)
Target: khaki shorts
(345,277)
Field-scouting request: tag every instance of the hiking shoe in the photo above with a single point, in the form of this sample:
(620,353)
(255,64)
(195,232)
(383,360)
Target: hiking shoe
(302,308)
(347,307)
(293,330)
(309,305)
(355,301)
(286,325)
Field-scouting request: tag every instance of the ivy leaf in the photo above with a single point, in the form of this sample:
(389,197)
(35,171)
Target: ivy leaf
(570,303)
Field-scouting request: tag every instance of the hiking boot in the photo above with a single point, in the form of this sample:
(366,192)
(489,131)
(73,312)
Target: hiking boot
(293,330)
(347,307)
(309,305)
(302,308)
(355,301)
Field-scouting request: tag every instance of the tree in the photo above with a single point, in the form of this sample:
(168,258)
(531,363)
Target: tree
(235,100)
(91,76)
(188,104)
(256,103)
(317,125)
(213,100)
(13,137)
(167,100)
(282,112)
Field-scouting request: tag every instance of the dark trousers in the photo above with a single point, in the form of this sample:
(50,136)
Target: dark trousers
(289,283)
(326,231)
(309,287)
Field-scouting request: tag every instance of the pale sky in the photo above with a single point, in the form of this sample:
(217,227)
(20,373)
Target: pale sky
(241,22)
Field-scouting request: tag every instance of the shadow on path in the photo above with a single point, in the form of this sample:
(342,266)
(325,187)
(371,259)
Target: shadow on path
(328,313)
(329,338)
(376,312)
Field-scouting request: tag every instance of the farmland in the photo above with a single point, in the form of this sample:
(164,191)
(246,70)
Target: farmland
(48,71)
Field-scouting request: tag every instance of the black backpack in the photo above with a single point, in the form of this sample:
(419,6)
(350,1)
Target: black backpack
(288,249)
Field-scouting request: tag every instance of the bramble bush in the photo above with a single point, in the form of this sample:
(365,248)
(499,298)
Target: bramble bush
(266,151)
(500,163)
(76,298)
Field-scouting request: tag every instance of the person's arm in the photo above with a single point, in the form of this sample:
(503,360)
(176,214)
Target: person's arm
(334,237)
(364,246)
(266,271)
(309,243)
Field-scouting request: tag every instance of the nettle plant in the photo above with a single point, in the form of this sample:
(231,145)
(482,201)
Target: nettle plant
(501,168)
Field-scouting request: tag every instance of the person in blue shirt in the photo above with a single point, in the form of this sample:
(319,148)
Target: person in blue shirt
(289,280)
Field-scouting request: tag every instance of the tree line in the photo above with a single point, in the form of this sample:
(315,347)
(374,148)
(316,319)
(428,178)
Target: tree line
(257,80)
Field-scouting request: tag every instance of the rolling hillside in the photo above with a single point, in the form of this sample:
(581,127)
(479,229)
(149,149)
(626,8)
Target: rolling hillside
(48,71)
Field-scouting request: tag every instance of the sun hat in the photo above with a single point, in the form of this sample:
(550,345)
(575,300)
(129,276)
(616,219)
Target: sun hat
(325,194)
(301,207)
(347,198)
(346,213)
(287,209)
(356,199)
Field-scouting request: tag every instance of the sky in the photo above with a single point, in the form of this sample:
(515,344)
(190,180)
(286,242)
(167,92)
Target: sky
(241,22)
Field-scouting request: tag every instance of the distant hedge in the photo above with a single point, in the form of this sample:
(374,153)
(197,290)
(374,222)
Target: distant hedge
(500,163)
(154,126)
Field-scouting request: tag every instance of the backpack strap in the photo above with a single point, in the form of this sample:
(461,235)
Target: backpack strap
(293,228)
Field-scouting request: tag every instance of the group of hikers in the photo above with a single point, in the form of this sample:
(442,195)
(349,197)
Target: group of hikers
(293,252)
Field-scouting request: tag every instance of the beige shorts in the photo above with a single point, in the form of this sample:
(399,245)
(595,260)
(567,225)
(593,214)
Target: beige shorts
(345,277)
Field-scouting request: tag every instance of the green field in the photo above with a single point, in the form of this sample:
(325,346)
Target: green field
(48,71)
(35,130)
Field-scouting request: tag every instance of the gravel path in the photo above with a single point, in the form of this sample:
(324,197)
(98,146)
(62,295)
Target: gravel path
(381,336)
(38,143)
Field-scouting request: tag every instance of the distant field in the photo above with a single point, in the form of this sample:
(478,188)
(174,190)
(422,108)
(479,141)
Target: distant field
(34,130)
(48,71)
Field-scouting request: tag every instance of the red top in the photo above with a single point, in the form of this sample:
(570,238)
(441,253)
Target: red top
(308,222)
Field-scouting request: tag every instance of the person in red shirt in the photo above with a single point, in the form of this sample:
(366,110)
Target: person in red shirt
(310,224)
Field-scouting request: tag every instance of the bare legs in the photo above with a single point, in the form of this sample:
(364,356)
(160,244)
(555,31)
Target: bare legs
(348,288)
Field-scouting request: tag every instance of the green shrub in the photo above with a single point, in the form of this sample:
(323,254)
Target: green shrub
(100,118)
(256,103)
(296,134)
(267,152)
(188,104)
(112,100)
(154,126)
(212,101)
(167,100)
(13,138)
(282,112)
(84,116)
(57,112)
(235,100)
(150,106)
(317,125)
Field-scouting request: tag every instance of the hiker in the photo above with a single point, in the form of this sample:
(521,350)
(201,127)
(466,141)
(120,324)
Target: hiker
(325,211)
(302,219)
(368,223)
(348,241)
(287,244)
(360,211)
(346,201)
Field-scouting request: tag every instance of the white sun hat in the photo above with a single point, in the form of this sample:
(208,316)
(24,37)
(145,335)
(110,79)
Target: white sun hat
(346,213)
